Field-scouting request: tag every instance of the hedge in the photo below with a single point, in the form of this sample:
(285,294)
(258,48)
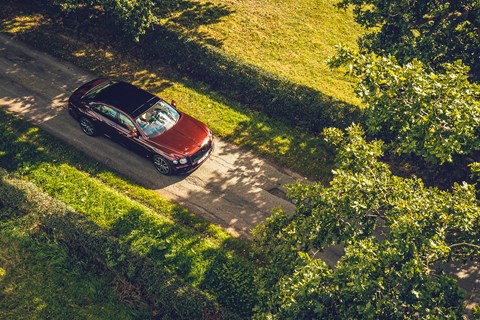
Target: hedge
(171,295)
(260,90)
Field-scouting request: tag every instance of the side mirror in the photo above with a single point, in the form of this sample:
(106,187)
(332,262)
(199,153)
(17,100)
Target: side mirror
(174,104)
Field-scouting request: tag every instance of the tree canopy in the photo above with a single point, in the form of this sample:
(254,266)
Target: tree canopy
(435,115)
(432,31)
(134,17)
(395,231)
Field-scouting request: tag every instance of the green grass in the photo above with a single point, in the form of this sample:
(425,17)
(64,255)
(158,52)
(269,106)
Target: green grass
(285,146)
(41,279)
(167,234)
(292,38)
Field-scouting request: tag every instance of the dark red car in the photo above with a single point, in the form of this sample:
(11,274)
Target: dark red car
(143,122)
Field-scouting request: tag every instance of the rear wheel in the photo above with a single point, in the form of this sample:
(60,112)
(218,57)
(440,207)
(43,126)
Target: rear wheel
(87,126)
(162,165)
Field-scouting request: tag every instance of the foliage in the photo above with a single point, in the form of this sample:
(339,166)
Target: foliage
(41,278)
(394,231)
(231,280)
(173,296)
(475,172)
(433,31)
(475,167)
(182,252)
(260,90)
(431,114)
(133,16)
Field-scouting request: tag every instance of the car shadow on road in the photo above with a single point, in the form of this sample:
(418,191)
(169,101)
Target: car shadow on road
(55,120)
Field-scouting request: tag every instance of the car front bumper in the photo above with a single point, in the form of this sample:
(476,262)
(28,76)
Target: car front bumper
(196,160)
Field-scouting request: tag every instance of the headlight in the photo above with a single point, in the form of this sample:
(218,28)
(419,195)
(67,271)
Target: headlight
(181,161)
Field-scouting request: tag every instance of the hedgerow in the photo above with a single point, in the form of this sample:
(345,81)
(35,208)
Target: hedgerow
(260,90)
(169,293)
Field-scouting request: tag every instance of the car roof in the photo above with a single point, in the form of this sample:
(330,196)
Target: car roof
(126,97)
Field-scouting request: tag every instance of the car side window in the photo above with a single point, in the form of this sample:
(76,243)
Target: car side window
(106,111)
(125,122)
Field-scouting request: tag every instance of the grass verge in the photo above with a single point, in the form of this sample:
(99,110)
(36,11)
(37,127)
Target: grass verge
(168,295)
(171,237)
(40,278)
(284,145)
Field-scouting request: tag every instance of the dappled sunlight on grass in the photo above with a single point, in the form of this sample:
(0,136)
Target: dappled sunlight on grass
(79,54)
(291,38)
(24,23)
(284,145)
(150,81)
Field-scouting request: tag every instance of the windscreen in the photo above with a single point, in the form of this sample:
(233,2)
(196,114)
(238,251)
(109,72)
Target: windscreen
(158,119)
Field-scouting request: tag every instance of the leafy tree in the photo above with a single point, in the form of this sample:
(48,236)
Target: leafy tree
(433,31)
(133,16)
(431,114)
(475,167)
(394,231)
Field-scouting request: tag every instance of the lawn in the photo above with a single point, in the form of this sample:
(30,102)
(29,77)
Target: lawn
(284,145)
(292,38)
(41,279)
(185,246)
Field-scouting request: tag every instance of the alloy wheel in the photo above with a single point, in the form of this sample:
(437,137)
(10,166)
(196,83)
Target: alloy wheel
(161,165)
(87,126)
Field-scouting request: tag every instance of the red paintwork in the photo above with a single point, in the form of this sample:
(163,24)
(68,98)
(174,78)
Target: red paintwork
(185,138)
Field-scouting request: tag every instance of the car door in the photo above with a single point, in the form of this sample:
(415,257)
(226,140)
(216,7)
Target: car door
(105,119)
(129,136)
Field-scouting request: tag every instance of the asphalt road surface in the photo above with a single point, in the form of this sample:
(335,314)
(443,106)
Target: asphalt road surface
(233,188)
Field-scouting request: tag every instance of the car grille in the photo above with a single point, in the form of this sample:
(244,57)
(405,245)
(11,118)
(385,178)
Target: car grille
(200,154)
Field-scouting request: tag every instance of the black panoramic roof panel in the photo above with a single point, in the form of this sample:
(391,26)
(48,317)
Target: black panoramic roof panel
(125,97)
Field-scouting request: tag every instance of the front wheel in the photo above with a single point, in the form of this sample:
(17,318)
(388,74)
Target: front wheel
(162,165)
(87,127)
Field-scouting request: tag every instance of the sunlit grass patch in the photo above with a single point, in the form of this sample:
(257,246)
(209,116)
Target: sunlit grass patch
(41,279)
(291,38)
(24,23)
(269,138)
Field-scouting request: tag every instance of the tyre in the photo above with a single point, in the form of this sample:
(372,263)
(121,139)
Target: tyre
(88,127)
(162,165)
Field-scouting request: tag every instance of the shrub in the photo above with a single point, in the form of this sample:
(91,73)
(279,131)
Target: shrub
(175,298)
(259,89)
(232,281)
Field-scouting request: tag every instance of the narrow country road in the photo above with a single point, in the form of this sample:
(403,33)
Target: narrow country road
(233,188)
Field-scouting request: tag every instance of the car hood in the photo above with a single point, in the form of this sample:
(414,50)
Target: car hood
(184,138)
